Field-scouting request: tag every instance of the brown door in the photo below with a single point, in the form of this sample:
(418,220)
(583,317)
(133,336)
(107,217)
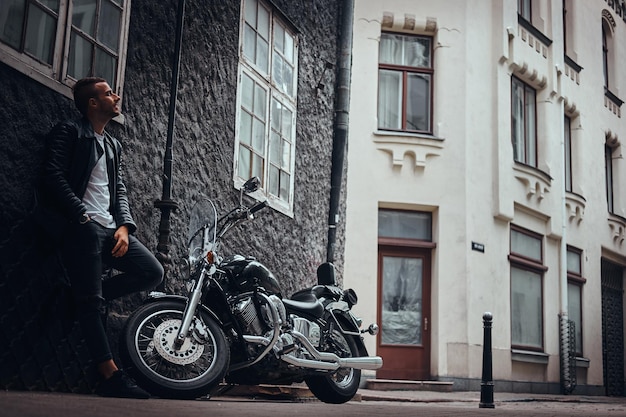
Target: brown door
(404,312)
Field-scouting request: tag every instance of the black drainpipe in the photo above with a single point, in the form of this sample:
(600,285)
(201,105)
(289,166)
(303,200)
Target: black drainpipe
(166,204)
(340,136)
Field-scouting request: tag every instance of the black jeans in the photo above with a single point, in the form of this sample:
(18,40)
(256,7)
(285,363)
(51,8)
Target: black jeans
(86,249)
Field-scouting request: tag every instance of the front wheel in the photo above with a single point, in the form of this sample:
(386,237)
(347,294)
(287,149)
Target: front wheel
(341,385)
(189,372)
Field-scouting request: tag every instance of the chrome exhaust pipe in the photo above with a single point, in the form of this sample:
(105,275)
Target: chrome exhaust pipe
(330,361)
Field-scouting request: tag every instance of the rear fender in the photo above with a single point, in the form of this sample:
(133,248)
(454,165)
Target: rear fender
(340,313)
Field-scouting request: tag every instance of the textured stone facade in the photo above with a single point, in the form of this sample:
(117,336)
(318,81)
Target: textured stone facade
(49,354)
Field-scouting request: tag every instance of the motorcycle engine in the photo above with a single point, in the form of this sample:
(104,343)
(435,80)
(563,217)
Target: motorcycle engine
(255,324)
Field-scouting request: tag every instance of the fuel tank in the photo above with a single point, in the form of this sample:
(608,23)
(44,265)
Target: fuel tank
(247,273)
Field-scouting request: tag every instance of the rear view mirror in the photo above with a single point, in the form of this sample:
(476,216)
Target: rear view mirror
(252,185)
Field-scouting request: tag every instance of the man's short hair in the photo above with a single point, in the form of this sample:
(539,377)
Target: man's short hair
(84,89)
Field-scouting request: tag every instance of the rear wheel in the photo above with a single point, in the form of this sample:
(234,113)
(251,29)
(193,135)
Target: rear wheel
(341,385)
(147,350)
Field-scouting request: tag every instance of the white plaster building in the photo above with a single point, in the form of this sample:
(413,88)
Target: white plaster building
(486,174)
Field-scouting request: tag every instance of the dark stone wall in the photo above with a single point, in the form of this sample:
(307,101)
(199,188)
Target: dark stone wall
(41,345)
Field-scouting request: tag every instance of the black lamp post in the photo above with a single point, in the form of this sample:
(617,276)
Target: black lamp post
(166,204)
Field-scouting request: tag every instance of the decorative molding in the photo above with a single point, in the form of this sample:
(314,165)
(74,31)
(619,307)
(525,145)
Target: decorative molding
(575,206)
(617,227)
(408,23)
(419,148)
(529,75)
(537,184)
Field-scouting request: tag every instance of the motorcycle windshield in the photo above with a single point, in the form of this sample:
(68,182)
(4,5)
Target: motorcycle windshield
(201,235)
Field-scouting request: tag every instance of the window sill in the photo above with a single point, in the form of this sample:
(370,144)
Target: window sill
(418,146)
(528,356)
(582,362)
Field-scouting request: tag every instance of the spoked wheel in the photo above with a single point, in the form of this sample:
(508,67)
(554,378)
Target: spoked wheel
(190,371)
(341,385)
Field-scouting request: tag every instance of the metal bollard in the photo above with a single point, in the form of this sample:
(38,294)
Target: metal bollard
(486,385)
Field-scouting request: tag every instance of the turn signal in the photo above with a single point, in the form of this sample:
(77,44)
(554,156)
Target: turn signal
(210,257)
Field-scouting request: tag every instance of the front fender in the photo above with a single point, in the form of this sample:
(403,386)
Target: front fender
(155,296)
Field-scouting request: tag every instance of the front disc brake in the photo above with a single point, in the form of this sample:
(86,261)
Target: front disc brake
(164,337)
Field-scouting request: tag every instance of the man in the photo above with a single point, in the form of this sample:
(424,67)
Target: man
(85,197)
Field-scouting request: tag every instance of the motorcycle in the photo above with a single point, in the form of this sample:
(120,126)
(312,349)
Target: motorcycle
(236,328)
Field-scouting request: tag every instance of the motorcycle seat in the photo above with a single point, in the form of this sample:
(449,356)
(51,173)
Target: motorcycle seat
(313,309)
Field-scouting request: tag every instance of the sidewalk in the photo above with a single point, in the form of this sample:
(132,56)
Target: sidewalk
(298,392)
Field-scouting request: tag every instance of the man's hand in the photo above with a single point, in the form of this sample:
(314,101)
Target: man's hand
(121,242)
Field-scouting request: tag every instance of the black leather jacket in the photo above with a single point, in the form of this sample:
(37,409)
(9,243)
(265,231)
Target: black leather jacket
(71,155)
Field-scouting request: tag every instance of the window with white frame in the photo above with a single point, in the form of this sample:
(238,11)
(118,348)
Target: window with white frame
(527,270)
(58,42)
(266,112)
(575,283)
(405,83)
(524,122)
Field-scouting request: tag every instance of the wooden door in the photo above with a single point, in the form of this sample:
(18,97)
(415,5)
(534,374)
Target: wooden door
(404,312)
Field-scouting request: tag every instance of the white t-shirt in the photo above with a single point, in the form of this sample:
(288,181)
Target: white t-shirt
(97,197)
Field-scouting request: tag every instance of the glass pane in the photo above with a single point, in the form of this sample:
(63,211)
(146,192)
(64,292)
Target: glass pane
(249,43)
(109,25)
(244,162)
(418,102)
(525,245)
(119,2)
(402,301)
(526,320)
(517,120)
(249,11)
(287,123)
(84,15)
(286,160)
(288,48)
(245,130)
(389,99)
(274,180)
(279,38)
(258,135)
(404,50)
(247,92)
(51,4)
(40,34)
(531,140)
(568,153)
(405,225)
(275,122)
(263,23)
(277,71)
(574,313)
(105,66)
(416,52)
(257,166)
(573,262)
(80,58)
(262,58)
(11,22)
(288,79)
(284,186)
(275,148)
(259,101)
(390,49)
